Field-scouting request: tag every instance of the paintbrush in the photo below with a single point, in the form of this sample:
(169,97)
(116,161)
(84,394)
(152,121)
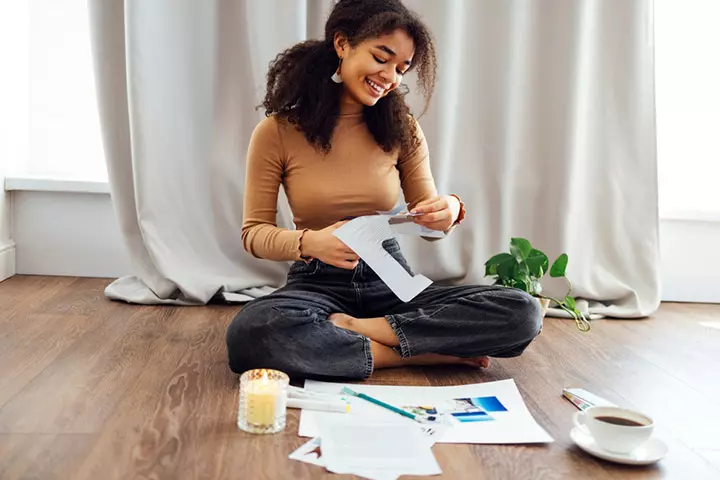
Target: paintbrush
(417,418)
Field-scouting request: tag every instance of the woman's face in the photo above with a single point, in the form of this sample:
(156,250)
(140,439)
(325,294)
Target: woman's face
(374,67)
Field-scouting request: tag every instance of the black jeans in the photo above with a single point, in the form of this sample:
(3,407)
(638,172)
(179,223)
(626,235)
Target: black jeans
(289,330)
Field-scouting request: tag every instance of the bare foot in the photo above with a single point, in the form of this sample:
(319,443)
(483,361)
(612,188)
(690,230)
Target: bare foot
(377,329)
(478,362)
(437,359)
(385,357)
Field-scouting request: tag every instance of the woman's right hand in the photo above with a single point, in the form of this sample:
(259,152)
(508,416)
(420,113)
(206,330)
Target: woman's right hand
(326,247)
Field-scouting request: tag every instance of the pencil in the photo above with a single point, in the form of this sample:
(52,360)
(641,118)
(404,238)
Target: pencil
(417,418)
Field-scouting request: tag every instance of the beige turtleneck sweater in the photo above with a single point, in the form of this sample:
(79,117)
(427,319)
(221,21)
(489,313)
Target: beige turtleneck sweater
(356,178)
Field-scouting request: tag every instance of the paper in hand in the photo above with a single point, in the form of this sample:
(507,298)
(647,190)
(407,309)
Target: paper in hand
(402,222)
(365,236)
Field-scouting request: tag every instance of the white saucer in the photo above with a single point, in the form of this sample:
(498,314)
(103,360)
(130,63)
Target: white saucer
(653,451)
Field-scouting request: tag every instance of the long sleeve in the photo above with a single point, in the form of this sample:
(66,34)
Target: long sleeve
(264,173)
(416,177)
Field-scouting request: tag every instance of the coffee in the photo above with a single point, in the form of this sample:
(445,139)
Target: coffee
(625,422)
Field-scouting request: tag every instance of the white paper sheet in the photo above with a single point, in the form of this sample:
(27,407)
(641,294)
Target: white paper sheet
(365,235)
(311,452)
(514,425)
(352,444)
(401,222)
(711,324)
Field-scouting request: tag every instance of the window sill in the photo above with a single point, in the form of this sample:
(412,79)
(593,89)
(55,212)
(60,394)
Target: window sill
(691,216)
(31,183)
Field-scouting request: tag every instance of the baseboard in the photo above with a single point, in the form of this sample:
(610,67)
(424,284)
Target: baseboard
(7,260)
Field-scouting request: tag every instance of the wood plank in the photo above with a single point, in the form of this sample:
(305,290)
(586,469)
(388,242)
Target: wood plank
(84,296)
(84,382)
(643,385)
(175,420)
(39,456)
(96,389)
(25,294)
(36,342)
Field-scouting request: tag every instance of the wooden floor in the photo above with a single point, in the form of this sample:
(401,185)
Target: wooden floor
(94,389)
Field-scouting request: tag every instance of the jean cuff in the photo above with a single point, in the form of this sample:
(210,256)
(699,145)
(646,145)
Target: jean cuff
(405,351)
(369,361)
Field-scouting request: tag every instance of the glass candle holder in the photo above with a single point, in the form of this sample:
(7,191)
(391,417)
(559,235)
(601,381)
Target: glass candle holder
(263,401)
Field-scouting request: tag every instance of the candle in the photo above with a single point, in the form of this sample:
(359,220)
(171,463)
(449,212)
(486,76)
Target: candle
(262,401)
(263,397)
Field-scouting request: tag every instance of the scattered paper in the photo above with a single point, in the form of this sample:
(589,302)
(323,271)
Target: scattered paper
(365,235)
(711,324)
(311,452)
(350,445)
(484,413)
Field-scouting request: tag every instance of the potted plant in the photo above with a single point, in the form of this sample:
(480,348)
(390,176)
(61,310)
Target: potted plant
(524,266)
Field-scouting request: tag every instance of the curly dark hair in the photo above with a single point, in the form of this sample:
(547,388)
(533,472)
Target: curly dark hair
(299,88)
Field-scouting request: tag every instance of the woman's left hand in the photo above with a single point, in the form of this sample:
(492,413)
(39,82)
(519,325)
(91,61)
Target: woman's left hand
(439,213)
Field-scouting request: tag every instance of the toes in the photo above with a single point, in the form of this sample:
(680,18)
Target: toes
(480,362)
(340,320)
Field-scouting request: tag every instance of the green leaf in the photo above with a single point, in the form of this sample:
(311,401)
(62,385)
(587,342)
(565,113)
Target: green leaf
(537,262)
(522,285)
(535,287)
(520,248)
(559,266)
(570,303)
(492,264)
(507,268)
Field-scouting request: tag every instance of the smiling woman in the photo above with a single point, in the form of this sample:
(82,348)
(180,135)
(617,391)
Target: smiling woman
(360,63)
(342,142)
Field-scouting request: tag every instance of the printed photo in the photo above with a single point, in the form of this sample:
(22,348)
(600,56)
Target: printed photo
(421,409)
(475,409)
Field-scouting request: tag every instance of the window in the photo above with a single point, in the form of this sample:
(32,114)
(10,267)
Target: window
(65,138)
(687,42)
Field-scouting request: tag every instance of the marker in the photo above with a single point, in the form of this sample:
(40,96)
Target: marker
(417,418)
(323,406)
(296,392)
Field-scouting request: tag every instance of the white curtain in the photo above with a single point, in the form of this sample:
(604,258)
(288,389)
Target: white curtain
(543,122)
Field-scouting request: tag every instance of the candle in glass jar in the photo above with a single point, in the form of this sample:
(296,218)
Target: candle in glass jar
(263,401)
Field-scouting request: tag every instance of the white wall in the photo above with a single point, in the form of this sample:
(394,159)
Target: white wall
(690,264)
(67,234)
(14,96)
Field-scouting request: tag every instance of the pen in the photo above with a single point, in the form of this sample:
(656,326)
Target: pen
(296,392)
(417,418)
(323,406)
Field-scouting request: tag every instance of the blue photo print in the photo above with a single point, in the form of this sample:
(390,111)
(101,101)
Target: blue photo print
(489,404)
(476,409)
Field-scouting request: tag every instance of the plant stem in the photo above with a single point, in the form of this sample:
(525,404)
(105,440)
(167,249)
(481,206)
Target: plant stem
(569,285)
(580,321)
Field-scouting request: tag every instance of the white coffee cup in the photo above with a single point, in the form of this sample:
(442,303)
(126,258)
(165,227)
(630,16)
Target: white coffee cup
(615,429)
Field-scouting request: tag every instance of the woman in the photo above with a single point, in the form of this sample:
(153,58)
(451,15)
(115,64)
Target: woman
(340,139)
